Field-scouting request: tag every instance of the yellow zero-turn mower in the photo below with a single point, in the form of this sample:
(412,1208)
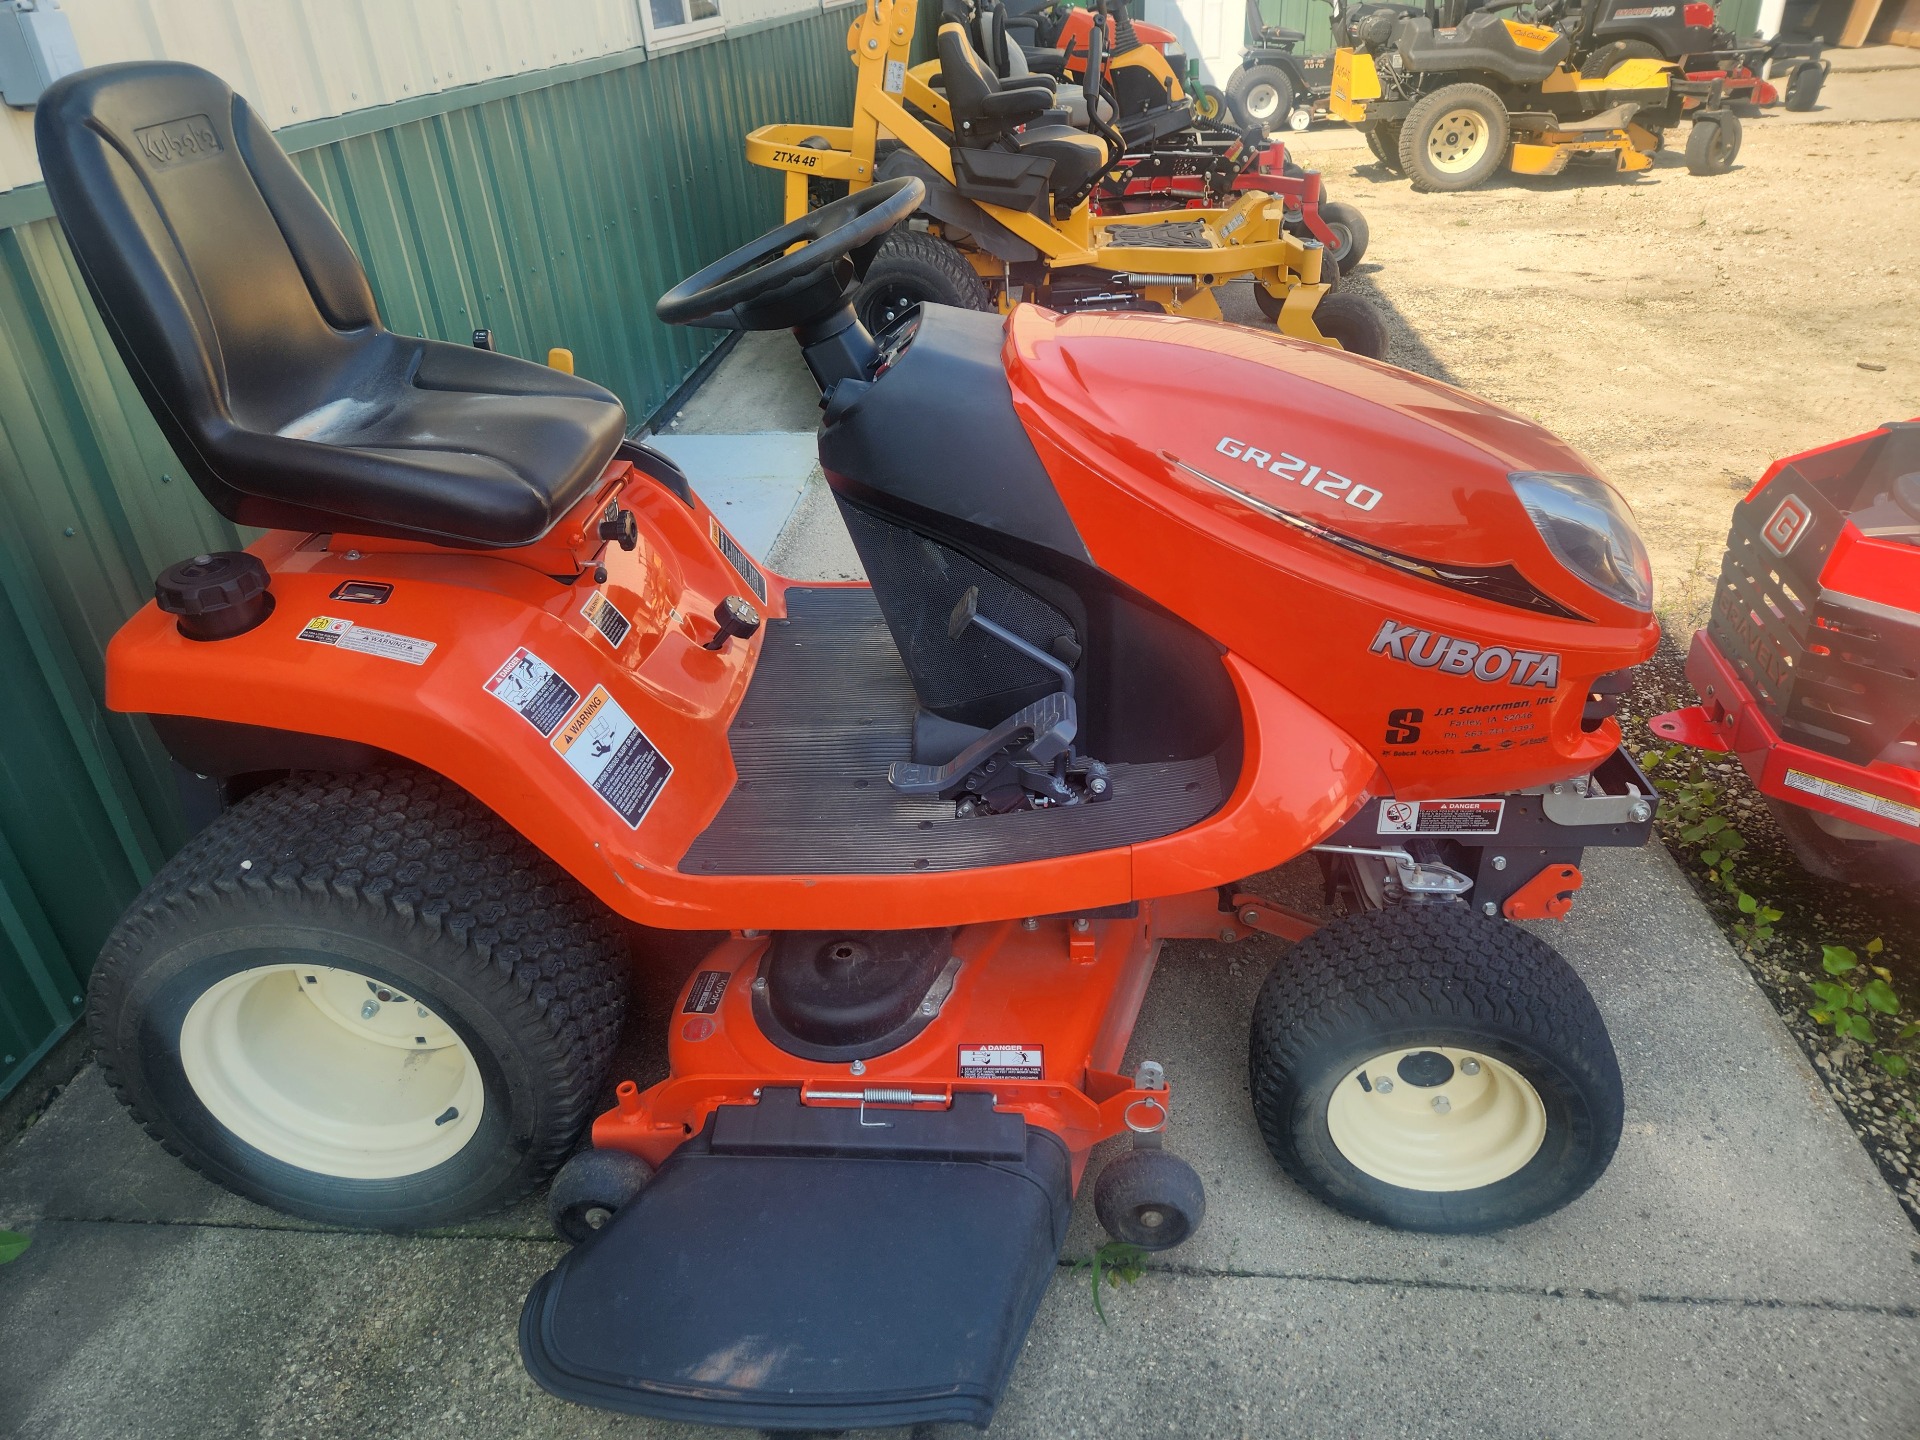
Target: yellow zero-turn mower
(1449,104)
(1007,214)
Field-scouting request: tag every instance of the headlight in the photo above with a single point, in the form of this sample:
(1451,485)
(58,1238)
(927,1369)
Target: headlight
(1591,531)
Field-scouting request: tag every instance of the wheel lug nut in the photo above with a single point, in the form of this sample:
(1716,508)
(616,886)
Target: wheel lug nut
(1469,1067)
(1441,1104)
(1383,1086)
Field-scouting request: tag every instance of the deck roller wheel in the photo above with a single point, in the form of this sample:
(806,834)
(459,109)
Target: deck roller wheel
(590,1190)
(1430,1068)
(1150,1198)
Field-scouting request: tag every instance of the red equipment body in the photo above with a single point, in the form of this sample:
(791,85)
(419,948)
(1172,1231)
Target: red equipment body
(1806,668)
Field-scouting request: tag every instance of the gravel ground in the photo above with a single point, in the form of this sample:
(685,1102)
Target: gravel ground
(1684,332)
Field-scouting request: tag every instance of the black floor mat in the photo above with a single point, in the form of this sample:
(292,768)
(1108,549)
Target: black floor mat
(830,707)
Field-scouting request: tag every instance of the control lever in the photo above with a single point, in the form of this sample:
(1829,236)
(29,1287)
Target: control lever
(967,613)
(737,621)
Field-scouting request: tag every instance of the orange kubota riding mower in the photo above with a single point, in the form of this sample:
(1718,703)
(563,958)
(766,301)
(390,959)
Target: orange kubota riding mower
(1008,213)
(1154,605)
(1174,156)
(1808,669)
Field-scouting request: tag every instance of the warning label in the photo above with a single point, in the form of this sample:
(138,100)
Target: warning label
(737,558)
(345,635)
(611,754)
(1441,817)
(530,686)
(703,996)
(1853,799)
(605,617)
(1000,1062)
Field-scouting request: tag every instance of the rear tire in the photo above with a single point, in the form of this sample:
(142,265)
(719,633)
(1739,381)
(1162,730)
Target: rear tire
(1383,139)
(1803,86)
(1607,58)
(362,999)
(1454,139)
(1428,1068)
(1349,228)
(912,268)
(1713,144)
(1354,323)
(1261,96)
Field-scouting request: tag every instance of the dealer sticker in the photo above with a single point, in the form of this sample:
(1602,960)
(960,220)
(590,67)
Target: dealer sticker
(605,616)
(1853,799)
(1441,817)
(345,635)
(614,756)
(703,996)
(530,686)
(1000,1062)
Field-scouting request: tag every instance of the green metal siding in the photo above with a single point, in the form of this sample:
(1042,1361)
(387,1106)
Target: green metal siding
(553,216)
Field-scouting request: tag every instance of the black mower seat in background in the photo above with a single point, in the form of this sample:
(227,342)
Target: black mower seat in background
(1481,41)
(971,91)
(249,327)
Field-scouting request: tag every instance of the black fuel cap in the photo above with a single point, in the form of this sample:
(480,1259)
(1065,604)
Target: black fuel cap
(214,597)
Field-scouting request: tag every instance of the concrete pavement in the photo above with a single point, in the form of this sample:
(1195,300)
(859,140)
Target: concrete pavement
(1741,1271)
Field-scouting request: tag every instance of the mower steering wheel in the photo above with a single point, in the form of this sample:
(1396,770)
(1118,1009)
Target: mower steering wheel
(722,296)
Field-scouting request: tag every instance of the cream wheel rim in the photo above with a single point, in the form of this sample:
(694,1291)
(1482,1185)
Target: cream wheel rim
(1263,101)
(1457,140)
(331,1071)
(1436,1118)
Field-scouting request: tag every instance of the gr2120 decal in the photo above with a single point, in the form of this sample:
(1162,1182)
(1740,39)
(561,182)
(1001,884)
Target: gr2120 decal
(1321,482)
(1452,656)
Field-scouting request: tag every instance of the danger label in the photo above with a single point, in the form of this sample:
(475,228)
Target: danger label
(605,616)
(530,686)
(703,996)
(345,635)
(1441,817)
(611,753)
(1853,799)
(1000,1062)
(736,557)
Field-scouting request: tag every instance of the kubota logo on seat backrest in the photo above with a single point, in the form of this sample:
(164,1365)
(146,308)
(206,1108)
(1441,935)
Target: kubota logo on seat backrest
(1453,656)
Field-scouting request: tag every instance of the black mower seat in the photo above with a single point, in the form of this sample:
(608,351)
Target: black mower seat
(985,112)
(1280,35)
(1481,41)
(251,332)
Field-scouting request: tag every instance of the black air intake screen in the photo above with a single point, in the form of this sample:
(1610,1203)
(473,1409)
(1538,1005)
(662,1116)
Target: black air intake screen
(976,679)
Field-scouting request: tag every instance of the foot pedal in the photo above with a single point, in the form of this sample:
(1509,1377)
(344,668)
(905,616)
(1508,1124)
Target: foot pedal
(1039,732)
(799,1267)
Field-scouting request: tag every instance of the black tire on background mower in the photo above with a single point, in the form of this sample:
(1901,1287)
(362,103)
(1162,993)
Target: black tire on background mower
(1261,96)
(1150,1198)
(590,1190)
(1412,981)
(1422,140)
(1354,323)
(270,967)
(1802,90)
(1713,144)
(1383,139)
(913,267)
(1349,227)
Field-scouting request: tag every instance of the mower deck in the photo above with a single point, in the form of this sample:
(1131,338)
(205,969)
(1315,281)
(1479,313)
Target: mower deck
(829,709)
(803,1267)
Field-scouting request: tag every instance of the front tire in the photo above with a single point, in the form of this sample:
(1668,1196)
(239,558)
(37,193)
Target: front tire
(914,268)
(1803,86)
(1713,144)
(1261,96)
(1354,323)
(364,1000)
(1383,139)
(1454,139)
(1428,1068)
